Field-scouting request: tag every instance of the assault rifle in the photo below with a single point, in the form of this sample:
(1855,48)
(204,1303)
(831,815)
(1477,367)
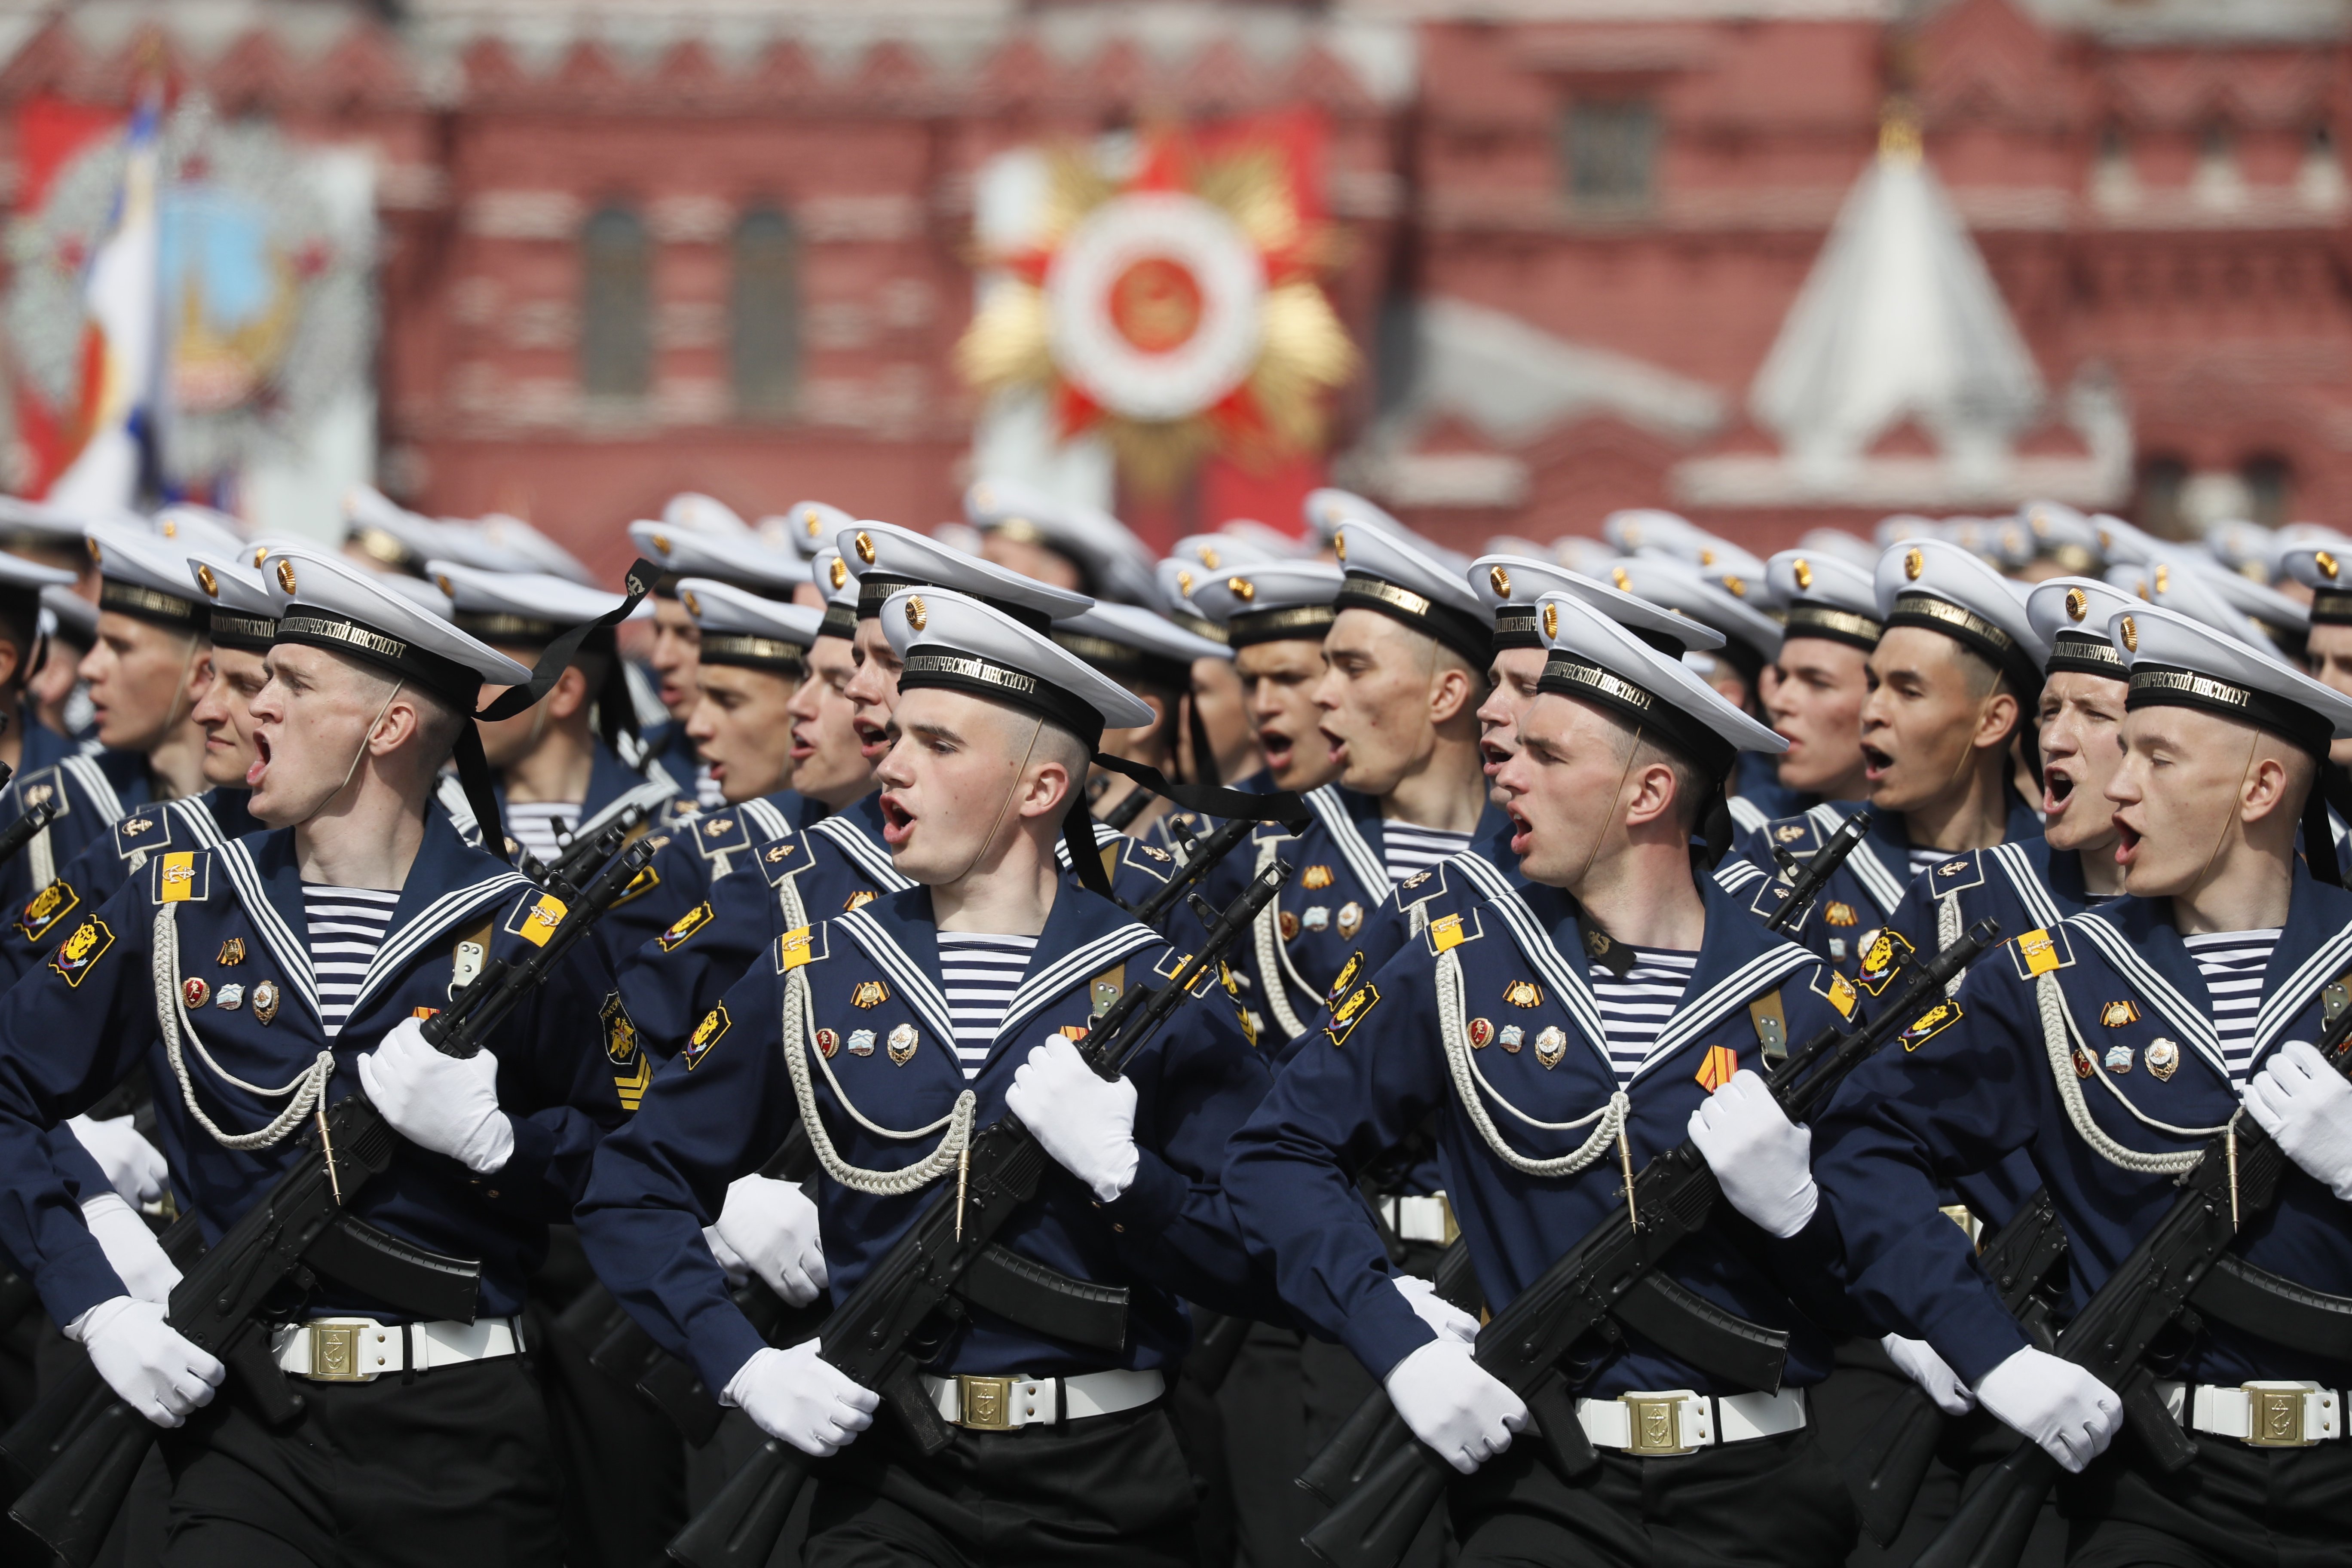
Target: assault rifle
(1612,1274)
(2182,1270)
(1883,1471)
(1709,1338)
(584,854)
(300,1229)
(881,1334)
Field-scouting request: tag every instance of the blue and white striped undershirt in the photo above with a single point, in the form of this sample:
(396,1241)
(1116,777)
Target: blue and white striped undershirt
(1410,850)
(979,973)
(1635,1010)
(347,928)
(2233,962)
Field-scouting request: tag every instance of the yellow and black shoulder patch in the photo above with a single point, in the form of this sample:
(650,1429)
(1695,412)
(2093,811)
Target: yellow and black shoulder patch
(2037,952)
(46,910)
(784,857)
(684,927)
(1838,991)
(1449,931)
(717,834)
(1352,1012)
(707,1033)
(796,948)
(536,916)
(1348,973)
(621,1046)
(644,882)
(1883,957)
(1930,1023)
(149,828)
(182,876)
(83,949)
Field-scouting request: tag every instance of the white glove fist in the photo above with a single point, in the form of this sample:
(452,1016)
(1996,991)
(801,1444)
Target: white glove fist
(133,1166)
(795,1397)
(1764,1160)
(437,1101)
(131,1247)
(2306,1108)
(1454,1404)
(1922,1367)
(770,1228)
(1450,1321)
(1085,1122)
(145,1361)
(2069,1414)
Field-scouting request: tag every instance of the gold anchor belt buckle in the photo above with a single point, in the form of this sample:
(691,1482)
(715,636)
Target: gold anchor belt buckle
(2275,1418)
(335,1354)
(987,1402)
(1654,1425)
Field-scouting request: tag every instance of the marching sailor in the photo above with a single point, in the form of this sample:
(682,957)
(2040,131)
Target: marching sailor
(992,729)
(2110,1048)
(1814,697)
(1218,744)
(1953,680)
(52,691)
(1153,658)
(26,743)
(2329,651)
(296,964)
(1274,616)
(1592,1009)
(575,762)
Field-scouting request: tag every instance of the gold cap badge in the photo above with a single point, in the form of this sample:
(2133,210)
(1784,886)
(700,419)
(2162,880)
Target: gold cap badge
(918,616)
(207,582)
(1242,588)
(864,544)
(2078,604)
(1913,562)
(1804,573)
(1501,580)
(286,574)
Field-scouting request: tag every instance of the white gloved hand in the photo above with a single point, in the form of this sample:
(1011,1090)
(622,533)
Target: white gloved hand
(1922,1367)
(2069,1414)
(436,1102)
(137,1256)
(797,1398)
(1086,1122)
(133,1166)
(1454,1404)
(1763,1160)
(1450,1320)
(145,1361)
(731,1262)
(2306,1108)
(770,1227)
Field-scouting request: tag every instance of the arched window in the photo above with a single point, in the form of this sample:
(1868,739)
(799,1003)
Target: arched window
(616,338)
(764,338)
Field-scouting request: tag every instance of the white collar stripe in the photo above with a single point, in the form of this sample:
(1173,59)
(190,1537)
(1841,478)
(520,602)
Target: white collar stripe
(1072,968)
(921,992)
(2011,859)
(1883,887)
(438,916)
(1371,872)
(270,926)
(2168,1001)
(93,781)
(870,857)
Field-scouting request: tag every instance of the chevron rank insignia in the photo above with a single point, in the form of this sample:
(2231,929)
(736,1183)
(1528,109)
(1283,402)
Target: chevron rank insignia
(150,830)
(181,876)
(2038,952)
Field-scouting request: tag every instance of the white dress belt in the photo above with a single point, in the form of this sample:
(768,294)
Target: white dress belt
(361,1349)
(2265,1415)
(1001,1404)
(1420,1219)
(1678,1421)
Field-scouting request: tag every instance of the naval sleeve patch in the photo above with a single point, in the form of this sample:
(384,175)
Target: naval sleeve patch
(1959,871)
(707,1033)
(80,951)
(1884,956)
(1449,931)
(685,926)
(2038,952)
(785,858)
(46,910)
(718,834)
(183,876)
(149,829)
(1352,1012)
(796,948)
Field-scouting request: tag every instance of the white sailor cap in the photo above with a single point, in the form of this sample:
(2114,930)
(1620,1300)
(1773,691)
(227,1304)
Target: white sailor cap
(1327,510)
(1752,638)
(1633,530)
(737,558)
(33,522)
(2244,546)
(1590,557)
(2074,616)
(1385,573)
(66,614)
(1509,585)
(747,629)
(18,576)
(1593,659)
(2123,543)
(2204,591)
(2285,621)
(326,602)
(1112,562)
(832,576)
(144,577)
(691,511)
(946,641)
(530,550)
(392,536)
(1178,578)
(1137,647)
(1280,601)
(1224,552)
(516,609)
(2062,534)
(241,612)
(1935,583)
(2003,541)
(884,558)
(1827,596)
(194,527)
(805,528)
(2327,571)
(1271,542)
(1837,545)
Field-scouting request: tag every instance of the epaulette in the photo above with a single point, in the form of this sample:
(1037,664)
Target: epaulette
(1421,887)
(806,944)
(677,808)
(1835,989)
(1172,962)
(1800,835)
(180,876)
(721,832)
(1962,870)
(1148,858)
(535,916)
(148,828)
(786,857)
(48,785)
(2037,952)
(1449,931)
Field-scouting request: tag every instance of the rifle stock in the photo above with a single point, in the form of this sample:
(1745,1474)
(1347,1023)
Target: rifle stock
(1524,1343)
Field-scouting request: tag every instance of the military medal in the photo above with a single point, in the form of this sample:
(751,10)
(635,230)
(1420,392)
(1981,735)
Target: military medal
(2082,1063)
(902,1044)
(1318,918)
(1351,919)
(869,994)
(231,952)
(193,992)
(265,1001)
(1482,1033)
(2163,1059)
(1551,1045)
(230,999)
(2115,1014)
(2119,1060)
(861,1042)
(1314,876)
(857,900)
(1842,914)
(827,1043)
(1512,1038)
(1289,923)
(1523,993)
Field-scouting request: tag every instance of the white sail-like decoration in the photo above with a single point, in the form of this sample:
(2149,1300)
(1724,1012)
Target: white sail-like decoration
(1898,321)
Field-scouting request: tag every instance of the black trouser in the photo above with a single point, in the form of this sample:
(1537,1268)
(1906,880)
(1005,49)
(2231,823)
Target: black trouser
(1772,1503)
(2234,1506)
(1110,1489)
(448,1468)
